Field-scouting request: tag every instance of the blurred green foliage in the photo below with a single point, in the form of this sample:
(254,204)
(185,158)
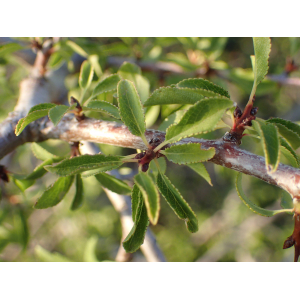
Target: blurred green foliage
(228,230)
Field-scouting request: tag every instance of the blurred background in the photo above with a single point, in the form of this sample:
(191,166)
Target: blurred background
(228,230)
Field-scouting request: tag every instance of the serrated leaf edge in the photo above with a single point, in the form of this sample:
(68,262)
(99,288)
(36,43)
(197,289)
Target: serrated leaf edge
(272,170)
(72,173)
(200,132)
(142,133)
(216,95)
(100,109)
(17,133)
(239,178)
(153,219)
(162,151)
(184,219)
(267,60)
(108,91)
(51,186)
(206,89)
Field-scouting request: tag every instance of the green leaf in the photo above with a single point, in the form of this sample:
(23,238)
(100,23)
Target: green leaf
(200,118)
(108,84)
(188,153)
(176,202)
(136,236)
(150,195)
(104,107)
(176,95)
(76,48)
(94,172)
(40,171)
(262,48)
(83,163)
(162,166)
(258,210)
(36,112)
(289,153)
(89,254)
(286,201)
(270,142)
(21,182)
(40,152)
(152,115)
(56,60)
(201,170)
(289,130)
(130,106)
(55,192)
(112,183)
(21,226)
(46,256)
(136,197)
(9,48)
(173,118)
(132,73)
(86,74)
(56,113)
(203,84)
(94,59)
(78,198)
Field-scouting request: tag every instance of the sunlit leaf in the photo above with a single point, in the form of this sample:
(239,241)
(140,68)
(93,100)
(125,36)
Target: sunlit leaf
(21,182)
(162,166)
(203,84)
(200,118)
(151,115)
(136,236)
(289,130)
(75,47)
(130,107)
(40,152)
(112,183)
(9,48)
(36,112)
(150,195)
(174,118)
(132,72)
(188,153)
(108,84)
(270,142)
(176,95)
(103,107)
(289,153)
(201,170)
(86,74)
(79,194)
(176,202)
(258,210)
(40,171)
(94,172)
(46,256)
(56,113)
(55,192)
(89,254)
(262,48)
(94,60)
(83,163)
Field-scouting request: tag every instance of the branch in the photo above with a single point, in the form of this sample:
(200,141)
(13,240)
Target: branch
(227,154)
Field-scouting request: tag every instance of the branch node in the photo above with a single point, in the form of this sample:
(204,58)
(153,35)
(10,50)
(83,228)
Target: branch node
(78,112)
